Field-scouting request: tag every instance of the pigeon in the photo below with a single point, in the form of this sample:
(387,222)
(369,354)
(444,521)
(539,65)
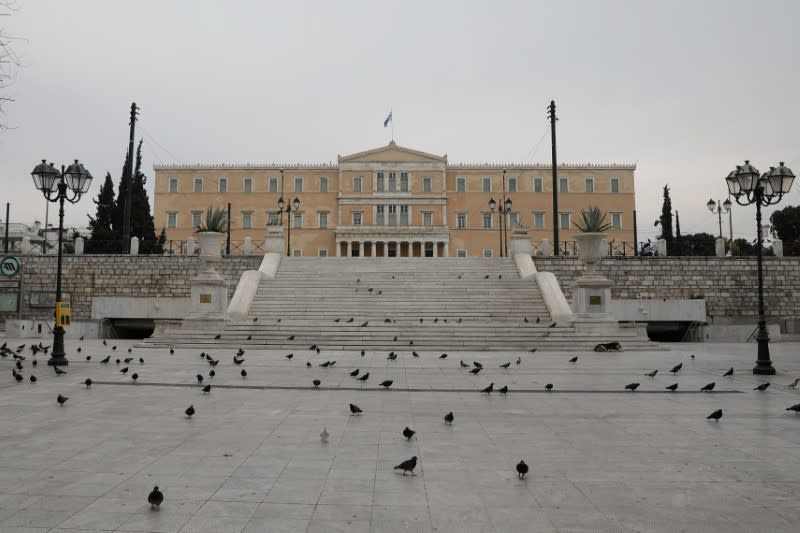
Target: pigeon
(503,390)
(19,365)
(538,319)
(363,353)
(762,387)
(217,336)
(308,364)
(652,374)
(386,384)
(324,435)
(728,373)
(118,361)
(631,386)
(477,364)
(155,498)
(519,360)
(113,348)
(337,320)
(141,360)
(692,356)
(312,347)
(255,319)
(130,350)
(475,370)
(124,370)
(709,387)
(59,371)
(88,382)
(486,276)
(81,338)
(33,379)
(316,383)
(351,320)
(676,368)
(79,349)
(463,364)
(249,337)
(522,469)
(392,356)
(127,360)
(326,364)
(525,319)
(105,343)
(794,383)
(415,354)
(61,399)
(171,351)
(408,466)
(387,321)
(243,373)
(554,324)
(290,338)
(364,324)
(34,362)
(505,365)
(354,373)
(88,357)
(574,359)
(488,389)
(213,362)
(672,387)
(443,356)
(211,374)
(549,386)
(134,377)
(436,320)
(238,361)
(716,415)
(395,339)
(289,356)
(448,418)
(355,410)
(795,408)
(189,411)
(206,389)
(199,378)
(408,433)
(365,377)
(18,377)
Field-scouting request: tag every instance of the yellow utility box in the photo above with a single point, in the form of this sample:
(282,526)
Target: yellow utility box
(63,314)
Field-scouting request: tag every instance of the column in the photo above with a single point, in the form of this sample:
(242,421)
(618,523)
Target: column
(349,248)
(338,248)
(446,249)
(435,249)
(360,248)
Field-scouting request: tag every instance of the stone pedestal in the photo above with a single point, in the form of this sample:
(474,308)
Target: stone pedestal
(209,299)
(661,247)
(134,245)
(247,248)
(189,246)
(274,241)
(591,292)
(544,248)
(777,247)
(79,246)
(719,247)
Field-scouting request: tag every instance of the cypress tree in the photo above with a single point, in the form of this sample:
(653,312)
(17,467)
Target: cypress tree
(666,216)
(118,213)
(141,220)
(677,226)
(103,238)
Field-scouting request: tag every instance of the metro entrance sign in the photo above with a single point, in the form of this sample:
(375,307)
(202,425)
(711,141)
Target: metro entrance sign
(9,266)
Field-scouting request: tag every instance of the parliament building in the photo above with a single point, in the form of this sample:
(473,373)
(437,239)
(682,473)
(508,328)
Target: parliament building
(394,201)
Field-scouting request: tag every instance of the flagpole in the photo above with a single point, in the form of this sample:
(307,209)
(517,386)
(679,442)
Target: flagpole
(392,121)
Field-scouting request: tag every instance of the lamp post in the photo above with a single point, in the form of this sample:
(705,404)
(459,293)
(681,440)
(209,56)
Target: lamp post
(719,208)
(747,187)
(70,185)
(502,211)
(283,207)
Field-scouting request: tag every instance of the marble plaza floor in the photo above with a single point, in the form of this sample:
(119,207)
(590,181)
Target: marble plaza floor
(251,459)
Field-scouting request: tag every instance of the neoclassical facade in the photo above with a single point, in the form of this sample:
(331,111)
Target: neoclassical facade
(394,201)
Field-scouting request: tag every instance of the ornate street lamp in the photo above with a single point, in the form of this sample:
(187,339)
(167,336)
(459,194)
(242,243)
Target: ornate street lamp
(70,185)
(283,207)
(747,187)
(719,209)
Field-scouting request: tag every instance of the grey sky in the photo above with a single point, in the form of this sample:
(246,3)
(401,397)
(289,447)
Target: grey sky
(685,89)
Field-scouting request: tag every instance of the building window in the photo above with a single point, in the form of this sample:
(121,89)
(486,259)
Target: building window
(487,253)
(223,184)
(247,185)
(173,185)
(273,185)
(323,219)
(298,184)
(513,219)
(380,215)
(589,184)
(247,219)
(380,185)
(198,185)
(404,182)
(487,221)
(614,184)
(172,219)
(512,184)
(323,184)
(563,184)
(538,221)
(563,221)
(427,218)
(427,183)
(357,218)
(404,215)
(392,181)
(461,252)
(322,252)
(461,184)
(196,218)
(298,220)
(461,221)
(357,183)
(392,215)
(538,184)
(616,220)
(276,215)
(487,184)
(297,252)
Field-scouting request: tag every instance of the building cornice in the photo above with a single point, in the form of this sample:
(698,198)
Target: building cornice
(246,166)
(541,166)
(511,167)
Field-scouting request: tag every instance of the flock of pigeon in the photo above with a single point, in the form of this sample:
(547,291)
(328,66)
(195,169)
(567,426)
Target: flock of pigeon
(156,497)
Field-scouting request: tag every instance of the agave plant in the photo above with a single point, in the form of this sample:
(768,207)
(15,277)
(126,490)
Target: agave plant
(216,220)
(594,221)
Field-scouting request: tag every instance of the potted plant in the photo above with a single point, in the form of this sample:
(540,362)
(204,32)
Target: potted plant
(591,236)
(210,233)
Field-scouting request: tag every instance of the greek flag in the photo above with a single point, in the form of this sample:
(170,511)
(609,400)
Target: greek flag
(388,119)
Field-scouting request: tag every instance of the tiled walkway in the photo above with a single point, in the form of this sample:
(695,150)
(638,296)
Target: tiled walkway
(251,459)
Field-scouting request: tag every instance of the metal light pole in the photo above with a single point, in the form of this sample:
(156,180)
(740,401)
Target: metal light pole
(719,208)
(283,207)
(551,113)
(56,187)
(502,211)
(748,188)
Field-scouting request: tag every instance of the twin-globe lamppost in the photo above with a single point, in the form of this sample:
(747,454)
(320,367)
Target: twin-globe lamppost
(283,207)
(502,211)
(719,208)
(749,187)
(69,184)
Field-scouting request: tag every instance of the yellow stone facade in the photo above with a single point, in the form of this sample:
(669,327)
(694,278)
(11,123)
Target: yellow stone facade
(395,201)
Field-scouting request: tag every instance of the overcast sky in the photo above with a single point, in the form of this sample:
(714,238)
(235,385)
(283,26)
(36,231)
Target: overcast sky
(684,89)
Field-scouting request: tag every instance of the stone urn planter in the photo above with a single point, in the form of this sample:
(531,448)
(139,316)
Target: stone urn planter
(591,248)
(210,249)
